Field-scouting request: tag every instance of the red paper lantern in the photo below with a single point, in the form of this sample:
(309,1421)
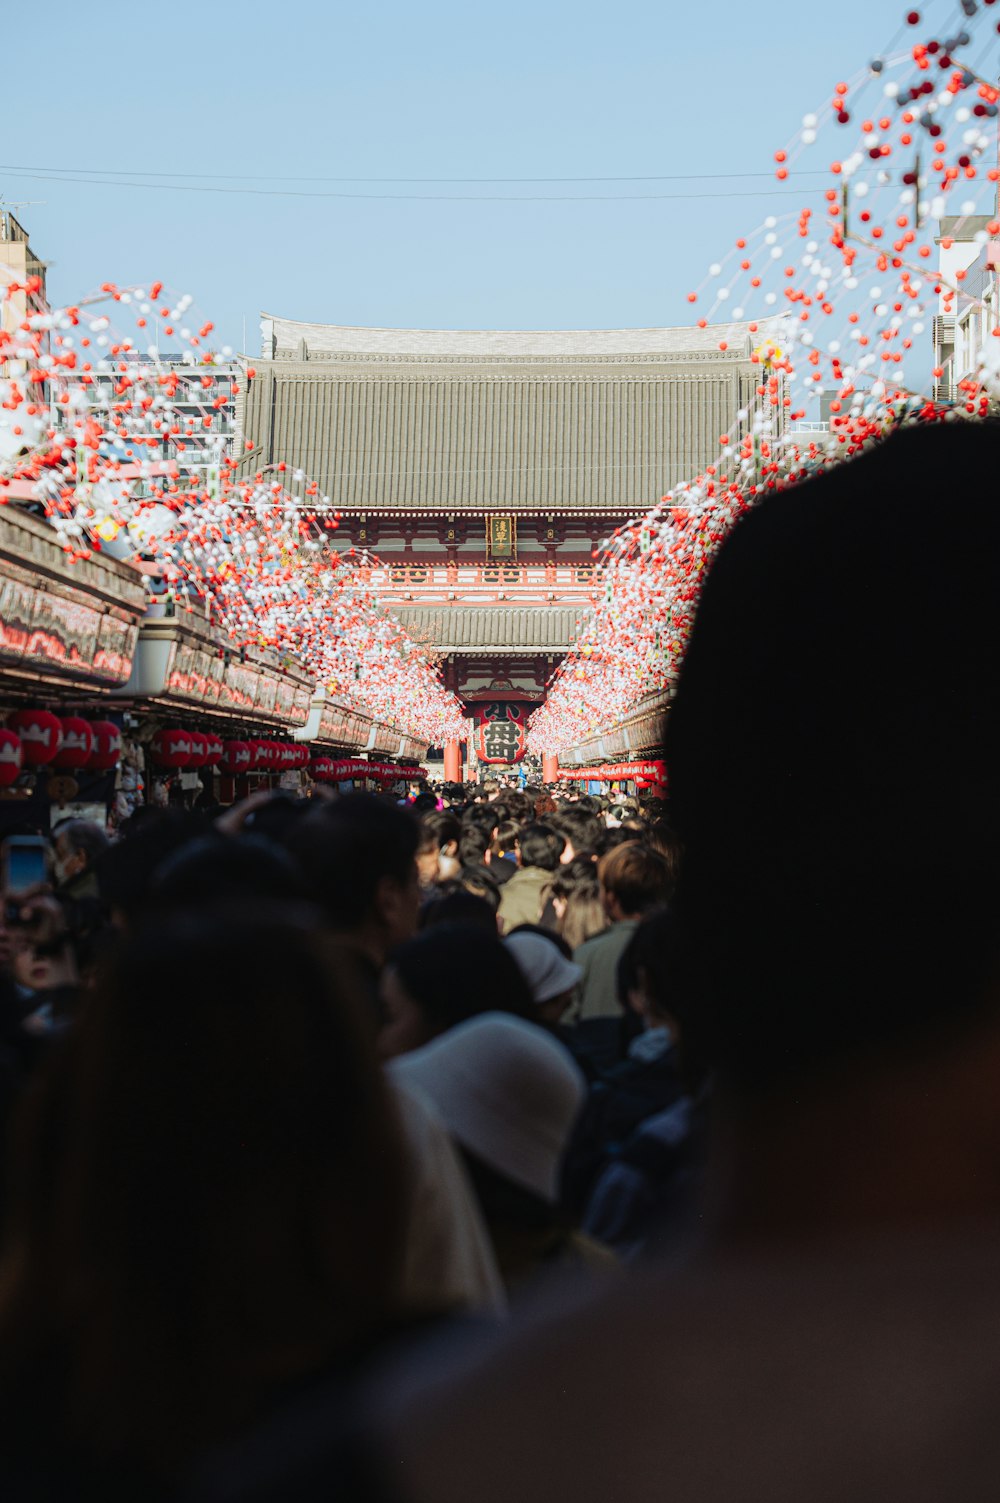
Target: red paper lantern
(107,746)
(10,757)
(259,756)
(199,749)
(171,749)
(289,756)
(76,744)
(236,757)
(322,769)
(39,732)
(215,750)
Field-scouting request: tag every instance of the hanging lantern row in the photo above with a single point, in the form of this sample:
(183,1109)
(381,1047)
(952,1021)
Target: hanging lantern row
(175,749)
(326,770)
(37,738)
(67,744)
(649,773)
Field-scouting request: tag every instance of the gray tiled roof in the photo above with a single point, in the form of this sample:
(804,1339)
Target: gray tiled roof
(495,627)
(605,438)
(283,339)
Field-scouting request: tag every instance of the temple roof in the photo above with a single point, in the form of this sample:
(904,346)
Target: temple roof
(595,421)
(284,338)
(517,629)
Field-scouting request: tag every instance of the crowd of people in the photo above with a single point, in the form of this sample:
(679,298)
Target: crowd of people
(495,1141)
(379,1051)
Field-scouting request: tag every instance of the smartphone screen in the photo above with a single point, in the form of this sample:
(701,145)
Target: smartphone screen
(24,866)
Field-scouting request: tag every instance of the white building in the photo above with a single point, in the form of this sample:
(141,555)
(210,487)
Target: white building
(968,260)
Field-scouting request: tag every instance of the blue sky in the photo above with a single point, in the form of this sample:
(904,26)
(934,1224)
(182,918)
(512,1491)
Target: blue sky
(320,90)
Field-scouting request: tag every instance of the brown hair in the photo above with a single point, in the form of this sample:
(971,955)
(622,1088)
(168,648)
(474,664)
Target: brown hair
(576,884)
(638,877)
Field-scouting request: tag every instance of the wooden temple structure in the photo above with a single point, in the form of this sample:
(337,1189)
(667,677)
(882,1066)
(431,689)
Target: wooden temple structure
(477,473)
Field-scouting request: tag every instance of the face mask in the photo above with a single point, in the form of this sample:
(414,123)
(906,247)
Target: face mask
(59,870)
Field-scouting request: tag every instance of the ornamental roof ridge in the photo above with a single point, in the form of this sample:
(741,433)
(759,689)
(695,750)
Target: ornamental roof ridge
(286,335)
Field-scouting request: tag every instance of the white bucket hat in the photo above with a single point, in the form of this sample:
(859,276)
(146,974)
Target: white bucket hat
(543,965)
(506,1090)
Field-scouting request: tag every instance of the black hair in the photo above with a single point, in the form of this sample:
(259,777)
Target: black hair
(454,903)
(126,870)
(541,846)
(345,849)
(438,830)
(583,829)
(820,916)
(456,971)
(219,869)
(473,844)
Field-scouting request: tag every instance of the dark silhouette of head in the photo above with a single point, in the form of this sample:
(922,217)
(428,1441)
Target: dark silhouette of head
(207,1203)
(833,752)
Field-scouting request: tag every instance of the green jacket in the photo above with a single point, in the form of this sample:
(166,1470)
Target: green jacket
(521,899)
(599,958)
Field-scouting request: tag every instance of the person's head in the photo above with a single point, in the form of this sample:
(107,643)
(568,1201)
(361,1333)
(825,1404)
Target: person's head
(633,879)
(442,976)
(613,837)
(504,843)
(643,976)
(507,1092)
(473,843)
(480,884)
(208,1200)
(480,816)
(517,806)
(126,871)
(662,837)
(575,894)
(437,851)
(276,819)
(424,803)
(461,902)
(214,868)
(358,858)
(552,976)
(78,845)
(540,846)
(582,831)
(841,680)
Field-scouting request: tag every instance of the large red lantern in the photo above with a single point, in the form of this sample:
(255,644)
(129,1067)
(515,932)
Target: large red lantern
(10,757)
(322,769)
(107,746)
(199,749)
(39,732)
(171,749)
(236,757)
(215,750)
(76,744)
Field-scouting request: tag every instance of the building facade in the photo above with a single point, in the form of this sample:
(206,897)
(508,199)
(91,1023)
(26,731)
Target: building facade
(969,301)
(477,474)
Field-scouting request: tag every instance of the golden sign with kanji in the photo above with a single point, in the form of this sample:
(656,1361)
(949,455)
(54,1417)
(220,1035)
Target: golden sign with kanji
(501,537)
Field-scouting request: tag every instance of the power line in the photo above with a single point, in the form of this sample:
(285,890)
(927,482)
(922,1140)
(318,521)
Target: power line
(425,198)
(258,177)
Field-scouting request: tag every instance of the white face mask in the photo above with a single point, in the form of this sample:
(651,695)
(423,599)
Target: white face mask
(60,869)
